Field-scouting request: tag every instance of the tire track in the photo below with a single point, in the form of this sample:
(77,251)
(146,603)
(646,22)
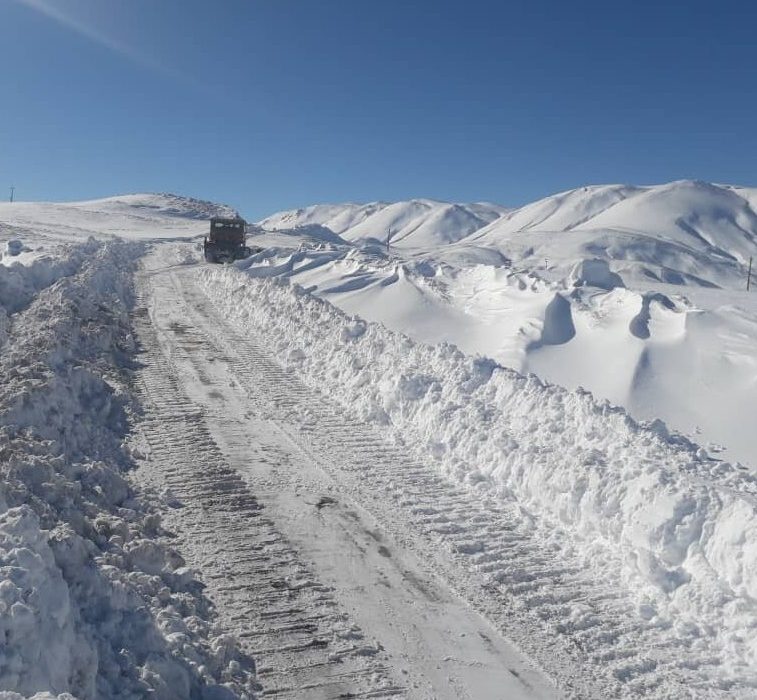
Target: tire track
(304,645)
(593,638)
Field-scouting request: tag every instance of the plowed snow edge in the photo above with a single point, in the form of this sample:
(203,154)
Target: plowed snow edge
(629,502)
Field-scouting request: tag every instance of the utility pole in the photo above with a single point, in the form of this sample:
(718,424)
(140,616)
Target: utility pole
(749,274)
(13,189)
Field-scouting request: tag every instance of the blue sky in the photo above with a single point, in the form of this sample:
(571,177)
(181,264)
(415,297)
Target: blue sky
(272,104)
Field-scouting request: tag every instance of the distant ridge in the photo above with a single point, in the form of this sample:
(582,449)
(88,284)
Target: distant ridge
(163,204)
(412,223)
(682,232)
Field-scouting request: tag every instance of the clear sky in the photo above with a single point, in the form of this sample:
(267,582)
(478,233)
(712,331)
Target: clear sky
(272,104)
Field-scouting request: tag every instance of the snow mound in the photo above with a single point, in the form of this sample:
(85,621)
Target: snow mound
(679,526)
(558,326)
(40,644)
(19,284)
(595,273)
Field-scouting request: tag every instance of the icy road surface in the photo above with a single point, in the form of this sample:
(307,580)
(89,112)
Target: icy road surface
(286,508)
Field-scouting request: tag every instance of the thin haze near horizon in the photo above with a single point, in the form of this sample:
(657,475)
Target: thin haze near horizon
(279,103)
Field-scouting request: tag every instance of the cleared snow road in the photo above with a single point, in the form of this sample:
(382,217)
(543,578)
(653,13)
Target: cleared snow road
(332,600)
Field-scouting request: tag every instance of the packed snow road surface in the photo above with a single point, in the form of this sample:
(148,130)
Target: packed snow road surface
(353,557)
(329,596)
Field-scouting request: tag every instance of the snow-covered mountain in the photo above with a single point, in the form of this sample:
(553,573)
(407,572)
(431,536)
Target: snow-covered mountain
(627,291)
(683,232)
(413,223)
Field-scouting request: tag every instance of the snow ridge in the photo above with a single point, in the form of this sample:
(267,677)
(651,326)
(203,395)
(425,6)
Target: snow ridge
(134,216)
(683,232)
(679,526)
(414,223)
(162,204)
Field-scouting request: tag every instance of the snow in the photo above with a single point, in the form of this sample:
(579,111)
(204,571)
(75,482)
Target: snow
(136,216)
(688,232)
(595,273)
(21,281)
(678,525)
(626,291)
(418,222)
(474,337)
(94,600)
(635,347)
(14,248)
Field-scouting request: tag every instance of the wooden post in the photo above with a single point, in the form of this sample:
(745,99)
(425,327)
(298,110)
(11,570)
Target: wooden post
(749,274)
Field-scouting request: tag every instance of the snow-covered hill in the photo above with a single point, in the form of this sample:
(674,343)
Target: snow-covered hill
(133,216)
(627,291)
(682,233)
(414,223)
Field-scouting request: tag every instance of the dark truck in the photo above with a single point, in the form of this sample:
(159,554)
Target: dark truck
(226,241)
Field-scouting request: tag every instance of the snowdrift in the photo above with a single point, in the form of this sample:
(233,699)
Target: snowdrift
(93,601)
(680,527)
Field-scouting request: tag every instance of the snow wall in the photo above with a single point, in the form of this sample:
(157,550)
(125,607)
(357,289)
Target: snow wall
(679,526)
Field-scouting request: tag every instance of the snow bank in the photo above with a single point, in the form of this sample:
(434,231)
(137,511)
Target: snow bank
(680,527)
(93,600)
(20,283)
(40,644)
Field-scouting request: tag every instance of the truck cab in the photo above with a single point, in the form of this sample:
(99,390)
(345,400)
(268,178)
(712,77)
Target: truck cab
(226,240)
